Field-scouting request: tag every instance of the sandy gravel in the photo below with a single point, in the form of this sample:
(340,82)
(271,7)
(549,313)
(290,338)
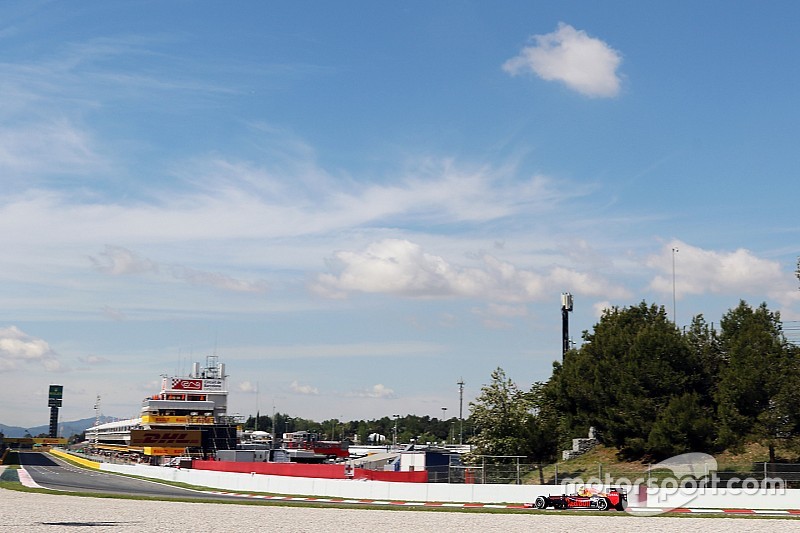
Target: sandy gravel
(26,512)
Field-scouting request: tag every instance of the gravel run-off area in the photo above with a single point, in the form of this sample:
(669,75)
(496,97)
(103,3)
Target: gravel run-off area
(24,512)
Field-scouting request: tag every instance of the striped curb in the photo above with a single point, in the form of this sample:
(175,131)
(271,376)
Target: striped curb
(26,479)
(686,510)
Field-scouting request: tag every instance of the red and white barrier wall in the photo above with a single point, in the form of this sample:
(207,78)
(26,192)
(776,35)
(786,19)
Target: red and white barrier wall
(244,482)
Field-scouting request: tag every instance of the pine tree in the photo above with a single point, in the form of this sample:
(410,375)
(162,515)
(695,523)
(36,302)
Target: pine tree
(758,379)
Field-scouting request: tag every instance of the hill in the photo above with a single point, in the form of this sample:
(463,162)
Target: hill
(65,429)
(603,461)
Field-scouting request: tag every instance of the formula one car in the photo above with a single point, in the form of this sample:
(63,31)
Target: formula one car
(613,498)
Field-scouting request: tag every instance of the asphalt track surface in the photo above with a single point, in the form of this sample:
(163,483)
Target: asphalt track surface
(53,473)
(34,512)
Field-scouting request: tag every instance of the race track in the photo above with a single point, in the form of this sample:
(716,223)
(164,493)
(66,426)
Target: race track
(51,472)
(31,512)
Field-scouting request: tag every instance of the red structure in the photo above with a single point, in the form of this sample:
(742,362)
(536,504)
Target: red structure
(323,471)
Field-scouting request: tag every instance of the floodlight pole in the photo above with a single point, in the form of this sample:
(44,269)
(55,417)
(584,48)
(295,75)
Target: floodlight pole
(461,411)
(674,315)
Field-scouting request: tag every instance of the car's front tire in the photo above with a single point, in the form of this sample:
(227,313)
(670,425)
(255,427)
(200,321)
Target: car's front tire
(541,502)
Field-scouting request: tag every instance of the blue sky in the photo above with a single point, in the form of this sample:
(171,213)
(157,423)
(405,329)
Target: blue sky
(355,205)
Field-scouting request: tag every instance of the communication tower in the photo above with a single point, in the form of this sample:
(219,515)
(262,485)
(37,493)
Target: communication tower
(566,309)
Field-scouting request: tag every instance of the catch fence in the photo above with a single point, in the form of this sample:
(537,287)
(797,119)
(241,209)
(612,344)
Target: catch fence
(515,470)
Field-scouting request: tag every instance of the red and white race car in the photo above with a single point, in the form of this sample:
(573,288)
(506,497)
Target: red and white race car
(612,498)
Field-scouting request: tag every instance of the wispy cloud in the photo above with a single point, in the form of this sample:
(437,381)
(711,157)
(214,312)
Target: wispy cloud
(583,63)
(113,314)
(121,261)
(499,316)
(347,350)
(55,146)
(244,202)
(94,360)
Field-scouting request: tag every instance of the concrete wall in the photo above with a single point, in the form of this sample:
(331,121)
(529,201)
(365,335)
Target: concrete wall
(443,492)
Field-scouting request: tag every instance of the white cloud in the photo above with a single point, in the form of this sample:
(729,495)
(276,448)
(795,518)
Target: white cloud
(601,307)
(585,64)
(401,267)
(247,386)
(376,391)
(303,389)
(699,271)
(120,261)
(17,347)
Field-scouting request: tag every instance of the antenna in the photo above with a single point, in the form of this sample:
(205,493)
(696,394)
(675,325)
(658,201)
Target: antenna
(566,308)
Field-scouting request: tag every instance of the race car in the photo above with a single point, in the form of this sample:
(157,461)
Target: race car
(613,498)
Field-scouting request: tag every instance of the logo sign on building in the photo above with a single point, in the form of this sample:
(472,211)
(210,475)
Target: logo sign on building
(47,441)
(212,384)
(150,450)
(187,384)
(182,438)
(54,395)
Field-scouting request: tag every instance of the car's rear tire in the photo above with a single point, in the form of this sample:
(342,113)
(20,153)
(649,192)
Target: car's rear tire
(602,504)
(541,502)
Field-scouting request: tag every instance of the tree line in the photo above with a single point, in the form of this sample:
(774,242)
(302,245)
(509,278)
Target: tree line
(410,428)
(653,390)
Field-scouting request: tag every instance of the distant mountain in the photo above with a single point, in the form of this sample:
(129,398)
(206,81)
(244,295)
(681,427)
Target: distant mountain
(65,429)
(12,431)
